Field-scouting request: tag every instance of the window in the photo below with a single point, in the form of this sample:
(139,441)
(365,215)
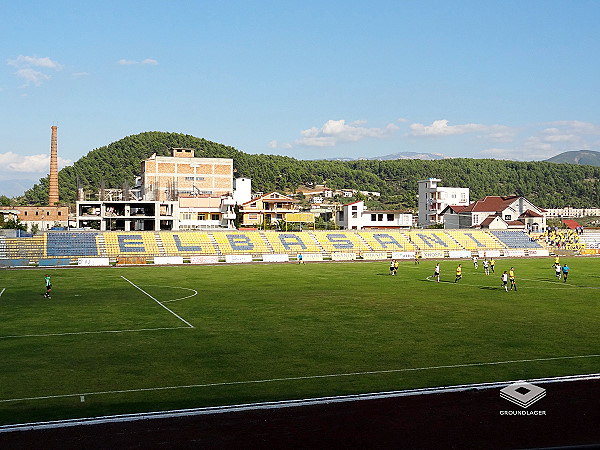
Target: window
(354,215)
(59,213)
(507,217)
(214,217)
(25,212)
(36,213)
(47,213)
(379,217)
(373,217)
(354,208)
(390,217)
(253,216)
(475,218)
(201,216)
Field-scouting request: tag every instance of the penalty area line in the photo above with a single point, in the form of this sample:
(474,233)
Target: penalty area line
(175,314)
(297,378)
(2,292)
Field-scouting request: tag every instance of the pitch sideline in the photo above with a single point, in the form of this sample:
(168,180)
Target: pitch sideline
(296,378)
(281,404)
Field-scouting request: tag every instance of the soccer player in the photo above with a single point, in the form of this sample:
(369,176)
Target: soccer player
(557,259)
(565,271)
(416,258)
(458,273)
(511,276)
(48,286)
(504,278)
(486,266)
(392,267)
(300,260)
(492,264)
(557,270)
(396,266)
(436,272)
(475,261)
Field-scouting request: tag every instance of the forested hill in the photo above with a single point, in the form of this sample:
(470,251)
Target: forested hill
(589,157)
(547,184)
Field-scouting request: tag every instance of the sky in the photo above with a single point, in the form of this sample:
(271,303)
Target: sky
(308,79)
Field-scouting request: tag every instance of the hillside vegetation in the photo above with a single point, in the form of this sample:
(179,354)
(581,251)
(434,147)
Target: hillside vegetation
(547,184)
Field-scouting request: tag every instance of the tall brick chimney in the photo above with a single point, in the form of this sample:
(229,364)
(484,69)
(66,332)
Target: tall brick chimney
(53,186)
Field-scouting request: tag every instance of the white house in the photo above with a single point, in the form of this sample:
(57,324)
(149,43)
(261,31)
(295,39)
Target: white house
(356,216)
(433,199)
(499,213)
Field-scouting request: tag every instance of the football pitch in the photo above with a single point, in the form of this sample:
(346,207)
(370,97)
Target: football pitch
(138,339)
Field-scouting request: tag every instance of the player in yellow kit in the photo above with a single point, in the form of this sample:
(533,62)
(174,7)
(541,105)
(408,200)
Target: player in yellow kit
(458,273)
(511,277)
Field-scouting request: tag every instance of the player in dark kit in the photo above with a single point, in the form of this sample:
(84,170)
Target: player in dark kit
(565,271)
(48,286)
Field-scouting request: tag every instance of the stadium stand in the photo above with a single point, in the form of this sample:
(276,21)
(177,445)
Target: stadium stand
(141,243)
(433,240)
(30,247)
(2,247)
(387,241)
(187,243)
(515,239)
(235,243)
(341,241)
(292,243)
(476,239)
(71,244)
(591,239)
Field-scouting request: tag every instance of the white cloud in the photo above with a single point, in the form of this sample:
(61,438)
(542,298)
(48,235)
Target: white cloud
(77,75)
(132,62)
(29,61)
(334,132)
(276,144)
(12,162)
(498,133)
(25,68)
(32,76)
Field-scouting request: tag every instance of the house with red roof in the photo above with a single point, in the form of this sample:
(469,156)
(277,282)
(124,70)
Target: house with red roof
(497,213)
(268,208)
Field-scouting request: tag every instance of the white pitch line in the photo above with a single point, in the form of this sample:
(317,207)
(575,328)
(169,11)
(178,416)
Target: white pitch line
(3,289)
(175,314)
(210,410)
(72,333)
(305,377)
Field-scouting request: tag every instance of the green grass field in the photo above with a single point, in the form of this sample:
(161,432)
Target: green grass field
(193,336)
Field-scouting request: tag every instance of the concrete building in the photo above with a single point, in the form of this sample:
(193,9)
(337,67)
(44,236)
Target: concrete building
(180,192)
(433,199)
(572,212)
(134,215)
(355,216)
(165,178)
(41,217)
